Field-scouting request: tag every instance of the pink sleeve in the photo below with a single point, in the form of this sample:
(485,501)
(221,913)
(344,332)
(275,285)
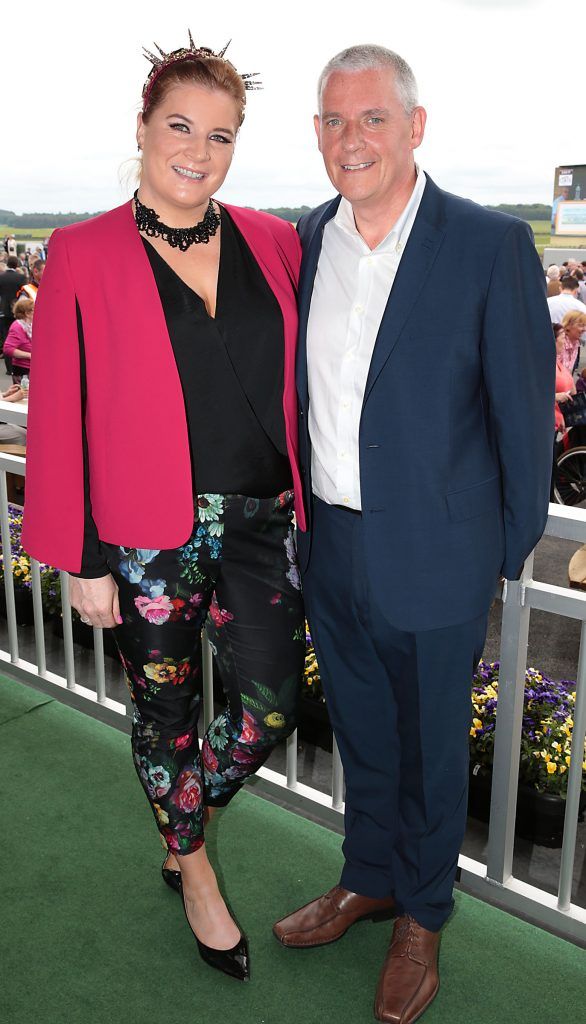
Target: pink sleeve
(13,339)
(54,506)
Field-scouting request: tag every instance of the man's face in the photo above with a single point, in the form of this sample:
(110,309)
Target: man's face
(365,136)
(37,272)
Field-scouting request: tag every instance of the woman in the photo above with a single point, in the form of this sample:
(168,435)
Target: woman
(564,382)
(574,325)
(181,477)
(18,340)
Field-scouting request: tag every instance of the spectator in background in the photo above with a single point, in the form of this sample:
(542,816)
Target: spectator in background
(579,275)
(10,245)
(553,280)
(29,290)
(11,282)
(18,340)
(564,382)
(566,301)
(574,325)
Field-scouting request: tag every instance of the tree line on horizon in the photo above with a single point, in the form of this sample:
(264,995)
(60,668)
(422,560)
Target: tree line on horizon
(526,211)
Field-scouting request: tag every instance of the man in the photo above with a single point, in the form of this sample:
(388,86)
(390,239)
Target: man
(578,274)
(421,490)
(29,291)
(10,284)
(553,280)
(567,300)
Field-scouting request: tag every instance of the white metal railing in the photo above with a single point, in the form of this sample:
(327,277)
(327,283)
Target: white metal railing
(494,881)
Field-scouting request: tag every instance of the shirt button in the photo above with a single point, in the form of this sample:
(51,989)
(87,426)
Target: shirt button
(346,501)
(345,405)
(398,247)
(358,309)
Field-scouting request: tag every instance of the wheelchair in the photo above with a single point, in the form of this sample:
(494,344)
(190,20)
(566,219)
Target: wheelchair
(569,468)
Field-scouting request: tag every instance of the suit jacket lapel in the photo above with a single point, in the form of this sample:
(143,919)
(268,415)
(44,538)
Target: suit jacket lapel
(420,252)
(311,252)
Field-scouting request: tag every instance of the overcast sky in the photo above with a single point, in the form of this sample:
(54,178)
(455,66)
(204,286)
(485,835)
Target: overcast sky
(73,75)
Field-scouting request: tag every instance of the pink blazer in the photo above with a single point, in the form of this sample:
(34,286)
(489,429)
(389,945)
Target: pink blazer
(136,427)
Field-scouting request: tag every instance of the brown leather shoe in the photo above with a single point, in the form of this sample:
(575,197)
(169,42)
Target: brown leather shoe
(329,917)
(409,980)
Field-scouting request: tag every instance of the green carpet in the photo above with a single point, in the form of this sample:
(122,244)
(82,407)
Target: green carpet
(90,934)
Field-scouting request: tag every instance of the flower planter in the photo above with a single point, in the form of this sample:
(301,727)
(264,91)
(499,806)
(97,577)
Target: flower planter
(84,636)
(23,600)
(540,816)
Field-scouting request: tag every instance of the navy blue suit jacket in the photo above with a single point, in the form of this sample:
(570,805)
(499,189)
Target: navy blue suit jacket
(457,424)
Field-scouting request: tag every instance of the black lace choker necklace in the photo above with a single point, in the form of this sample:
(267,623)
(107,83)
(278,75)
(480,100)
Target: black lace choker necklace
(148,221)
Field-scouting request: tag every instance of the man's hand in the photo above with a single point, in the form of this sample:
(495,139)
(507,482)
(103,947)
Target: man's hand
(96,600)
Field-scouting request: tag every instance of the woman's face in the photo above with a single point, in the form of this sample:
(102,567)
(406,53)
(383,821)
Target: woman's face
(560,341)
(187,148)
(575,331)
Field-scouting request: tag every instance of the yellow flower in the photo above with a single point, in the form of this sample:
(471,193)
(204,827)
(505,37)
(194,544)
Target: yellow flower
(563,769)
(275,720)
(160,672)
(551,767)
(568,760)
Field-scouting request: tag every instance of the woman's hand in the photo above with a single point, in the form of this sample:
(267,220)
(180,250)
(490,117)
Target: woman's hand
(96,600)
(564,396)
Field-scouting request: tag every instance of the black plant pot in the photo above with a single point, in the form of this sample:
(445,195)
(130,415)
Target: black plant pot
(540,816)
(23,600)
(314,723)
(84,636)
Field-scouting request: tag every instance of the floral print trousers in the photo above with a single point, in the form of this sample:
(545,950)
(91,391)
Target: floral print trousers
(238,571)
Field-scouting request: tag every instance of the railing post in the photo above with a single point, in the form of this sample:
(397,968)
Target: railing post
(507,744)
(574,782)
(8,578)
(67,631)
(38,617)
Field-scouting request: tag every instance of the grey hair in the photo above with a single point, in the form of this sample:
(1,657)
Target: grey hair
(553,272)
(367,56)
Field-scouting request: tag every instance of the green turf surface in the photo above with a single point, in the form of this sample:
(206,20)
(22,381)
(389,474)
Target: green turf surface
(89,934)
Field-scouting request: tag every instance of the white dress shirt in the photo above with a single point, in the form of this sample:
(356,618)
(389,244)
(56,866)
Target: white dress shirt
(350,292)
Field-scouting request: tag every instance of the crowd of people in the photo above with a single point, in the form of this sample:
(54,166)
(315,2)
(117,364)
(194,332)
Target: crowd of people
(566,300)
(20,277)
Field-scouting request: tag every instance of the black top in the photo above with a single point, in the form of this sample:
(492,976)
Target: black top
(231,370)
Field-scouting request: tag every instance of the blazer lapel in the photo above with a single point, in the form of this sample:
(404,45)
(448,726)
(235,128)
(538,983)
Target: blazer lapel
(420,252)
(311,253)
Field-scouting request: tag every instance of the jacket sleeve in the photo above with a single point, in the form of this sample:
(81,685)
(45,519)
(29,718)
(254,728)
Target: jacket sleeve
(518,357)
(53,525)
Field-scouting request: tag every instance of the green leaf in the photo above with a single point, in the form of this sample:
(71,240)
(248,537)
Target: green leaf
(252,703)
(269,695)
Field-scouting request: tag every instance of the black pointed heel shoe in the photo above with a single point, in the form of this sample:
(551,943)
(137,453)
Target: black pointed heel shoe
(234,962)
(172,877)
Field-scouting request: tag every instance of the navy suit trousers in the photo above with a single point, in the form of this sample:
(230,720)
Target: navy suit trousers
(400,706)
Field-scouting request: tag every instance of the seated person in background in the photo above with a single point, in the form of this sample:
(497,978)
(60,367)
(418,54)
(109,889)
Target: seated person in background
(18,340)
(11,433)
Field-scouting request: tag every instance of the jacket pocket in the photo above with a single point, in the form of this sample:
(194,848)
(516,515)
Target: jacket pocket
(474,501)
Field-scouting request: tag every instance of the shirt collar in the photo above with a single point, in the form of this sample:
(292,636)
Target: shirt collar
(344,218)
